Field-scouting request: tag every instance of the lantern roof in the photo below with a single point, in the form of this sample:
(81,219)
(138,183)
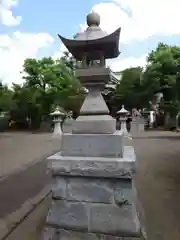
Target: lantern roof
(122,111)
(57,112)
(93,39)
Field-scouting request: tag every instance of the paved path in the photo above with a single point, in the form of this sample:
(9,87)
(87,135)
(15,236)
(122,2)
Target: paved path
(19,149)
(22,183)
(21,186)
(158,181)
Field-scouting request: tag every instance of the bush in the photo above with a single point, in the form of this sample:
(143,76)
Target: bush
(4,123)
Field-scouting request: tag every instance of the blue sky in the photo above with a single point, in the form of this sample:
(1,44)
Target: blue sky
(143,23)
(50,16)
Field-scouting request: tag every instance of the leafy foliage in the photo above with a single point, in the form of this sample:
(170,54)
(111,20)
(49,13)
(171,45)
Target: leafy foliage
(162,75)
(47,83)
(131,90)
(138,87)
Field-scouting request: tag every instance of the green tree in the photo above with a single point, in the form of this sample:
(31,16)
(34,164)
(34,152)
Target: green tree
(131,90)
(162,75)
(68,60)
(47,83)
(6,98)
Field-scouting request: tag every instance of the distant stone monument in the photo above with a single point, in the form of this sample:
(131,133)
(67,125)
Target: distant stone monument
(57,118)
(68,123)
(93,191)
(137,125)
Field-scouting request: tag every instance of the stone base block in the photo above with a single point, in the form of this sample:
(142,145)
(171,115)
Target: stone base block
(137,127)
(95,145)
(100,124)
(102,167)
(86,211)
(141,127)
(93,198)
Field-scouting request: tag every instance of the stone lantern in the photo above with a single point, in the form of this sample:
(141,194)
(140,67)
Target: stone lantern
(92,48)
(93,191)
(123,113)
(57,118)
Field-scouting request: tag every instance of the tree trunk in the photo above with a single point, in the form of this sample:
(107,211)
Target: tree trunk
(177,121)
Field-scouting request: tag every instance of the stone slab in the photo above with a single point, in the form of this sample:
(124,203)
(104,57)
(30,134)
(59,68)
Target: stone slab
(68,215)
(94,166)
(90,190)
(95,190)
(90,217)
(92,145)
(103,124)
(59,188)
(123,193)
(111,219)
(61,234)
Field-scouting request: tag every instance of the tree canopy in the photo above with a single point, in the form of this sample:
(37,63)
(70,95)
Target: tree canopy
(49,82)
(139,86)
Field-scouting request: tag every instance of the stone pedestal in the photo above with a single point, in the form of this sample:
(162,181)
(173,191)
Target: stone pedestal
(68,125)
(94,195)
(93,198)
(137,125)
(141,124)
(134,127)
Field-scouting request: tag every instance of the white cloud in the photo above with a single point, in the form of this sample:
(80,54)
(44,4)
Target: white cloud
(6,15)
(15,49)
(58,54)
(139,20)
(120,64)
(146,18)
